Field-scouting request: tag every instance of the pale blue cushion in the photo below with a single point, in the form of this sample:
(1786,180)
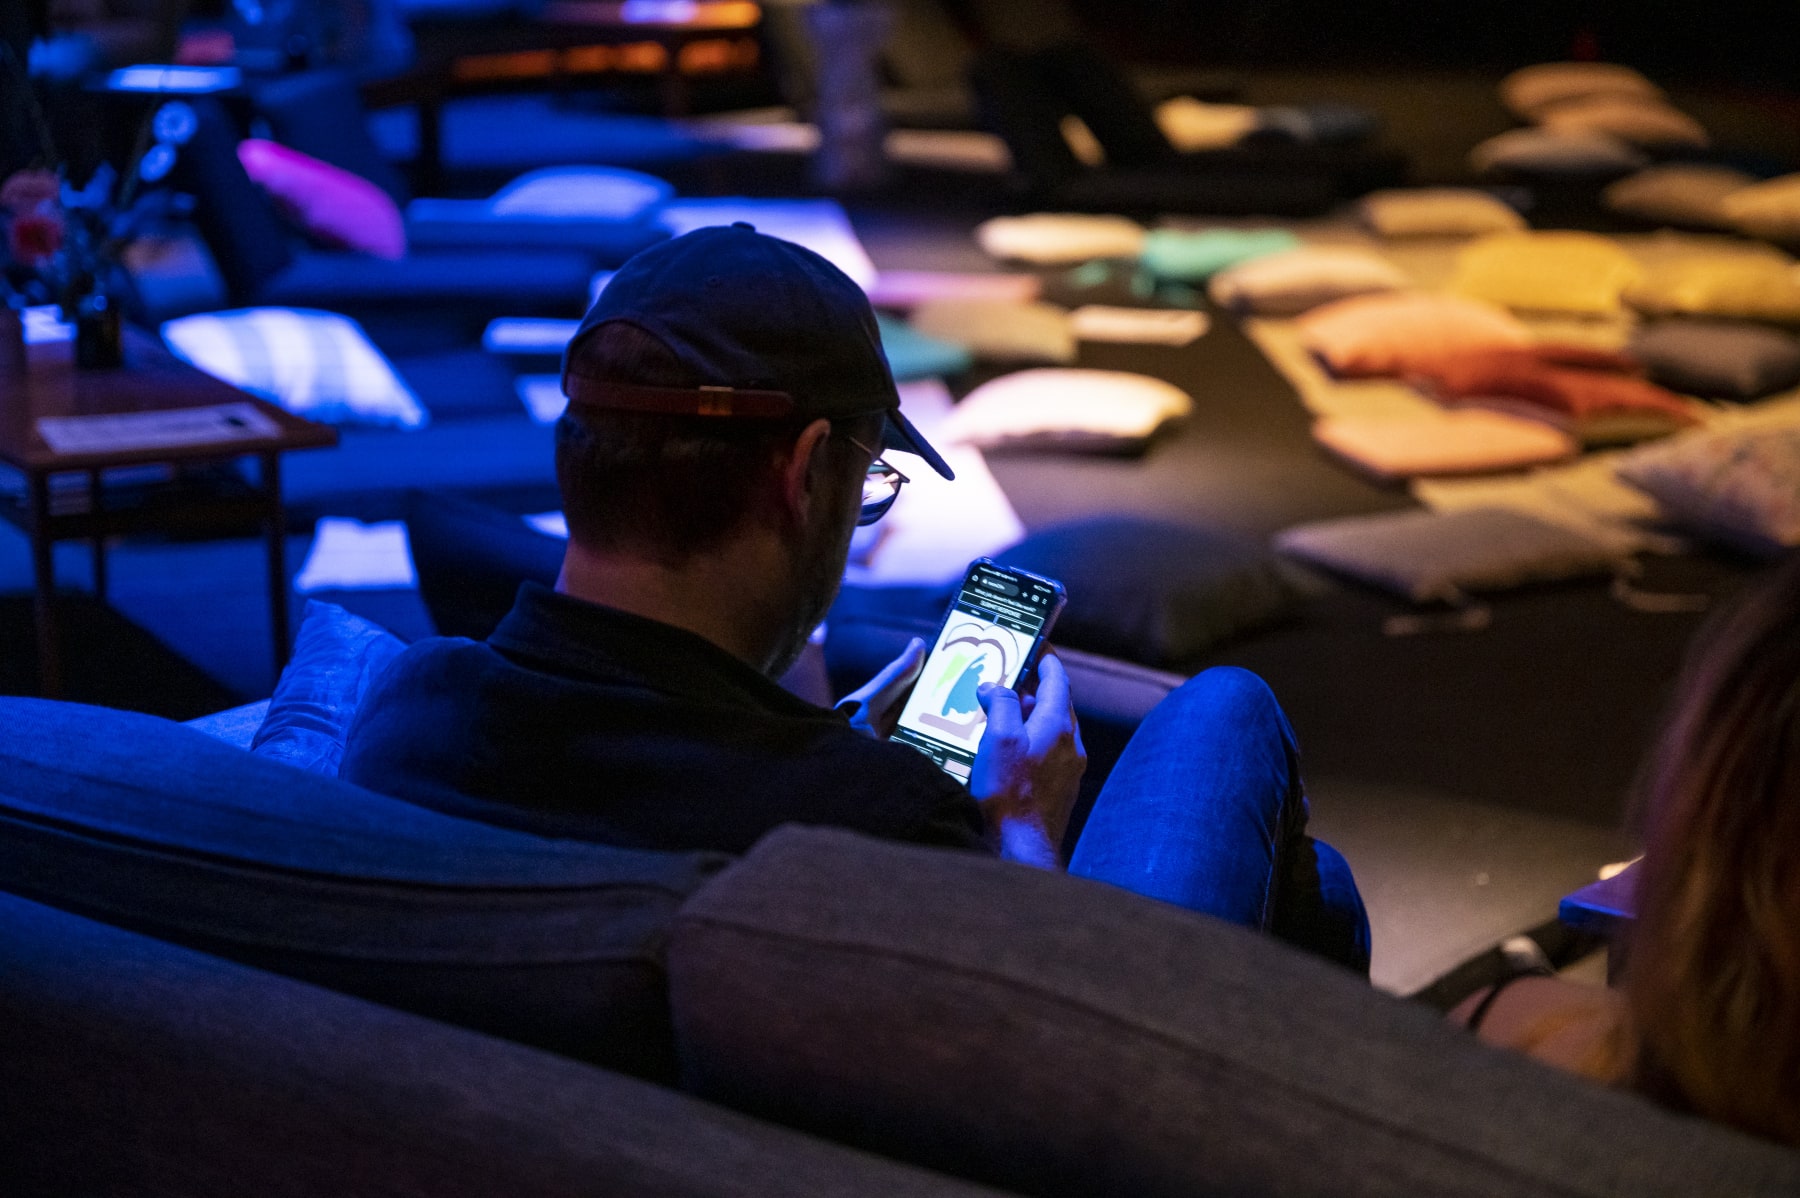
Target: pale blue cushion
(914,355)
(336,656)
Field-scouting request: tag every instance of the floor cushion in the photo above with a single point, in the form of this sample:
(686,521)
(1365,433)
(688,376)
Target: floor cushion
(1437,212)
(1596,406)
(1383,335)
(1456,442)
(914,355)
(314,364)
(1445,556)
(1683,194)
(1314,125)
(1738,487)
(1193,257)
(1103,411)
(1548,152)
(999,331)
(1293,281)
(1059,239)
(1160,594)
(1579,273)
(1717,359)
(1651,124)
(1192,124)
(1770,210)
(336,208)
(591,192)
(1726,286)
(1529,89)
(336,656)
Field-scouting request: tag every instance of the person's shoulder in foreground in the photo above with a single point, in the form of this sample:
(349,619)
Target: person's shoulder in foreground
(583,721)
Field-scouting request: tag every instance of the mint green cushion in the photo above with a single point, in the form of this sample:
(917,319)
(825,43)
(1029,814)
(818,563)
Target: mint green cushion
(1197,256)
(914,355)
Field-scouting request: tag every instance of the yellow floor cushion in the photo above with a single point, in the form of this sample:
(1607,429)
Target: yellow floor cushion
(1723,286)
(1579,273)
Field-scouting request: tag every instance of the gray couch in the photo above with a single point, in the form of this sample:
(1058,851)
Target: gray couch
(223,976)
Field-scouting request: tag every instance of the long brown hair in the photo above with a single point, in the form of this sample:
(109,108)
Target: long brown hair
(1712,983)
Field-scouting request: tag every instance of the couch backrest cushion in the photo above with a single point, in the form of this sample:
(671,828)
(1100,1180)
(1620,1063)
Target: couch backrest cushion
(137,1067)
(471,558)
(162,829)
(1056,1036)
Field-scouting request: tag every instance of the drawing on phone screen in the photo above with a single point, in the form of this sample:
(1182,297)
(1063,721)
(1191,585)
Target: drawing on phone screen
(969,652)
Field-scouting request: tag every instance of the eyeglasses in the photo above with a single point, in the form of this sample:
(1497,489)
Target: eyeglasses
(881,486)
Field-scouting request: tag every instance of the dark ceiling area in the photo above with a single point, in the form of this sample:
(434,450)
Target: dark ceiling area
(1690,41)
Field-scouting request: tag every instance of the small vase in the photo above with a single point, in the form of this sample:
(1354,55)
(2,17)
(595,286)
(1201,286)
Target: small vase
(99,334)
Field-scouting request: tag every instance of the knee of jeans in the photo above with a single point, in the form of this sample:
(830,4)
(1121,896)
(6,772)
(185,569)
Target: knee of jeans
(1339,891)
(1229,692)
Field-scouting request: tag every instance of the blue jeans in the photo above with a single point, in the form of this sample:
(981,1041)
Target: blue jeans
(1206,810)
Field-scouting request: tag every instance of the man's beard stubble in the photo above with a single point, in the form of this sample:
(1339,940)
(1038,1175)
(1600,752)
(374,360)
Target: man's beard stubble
(818,572)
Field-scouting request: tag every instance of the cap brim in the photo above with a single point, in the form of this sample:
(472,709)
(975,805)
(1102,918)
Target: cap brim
(898,433)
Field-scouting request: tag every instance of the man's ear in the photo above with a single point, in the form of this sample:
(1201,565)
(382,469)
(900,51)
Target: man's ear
(801,473)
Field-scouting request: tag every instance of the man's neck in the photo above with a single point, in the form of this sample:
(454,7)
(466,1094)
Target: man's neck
(712,595)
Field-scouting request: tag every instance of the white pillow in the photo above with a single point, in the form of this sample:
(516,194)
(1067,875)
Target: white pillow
(1769,209)
(1530,89)
(1291,282)
(997,331)
(315,364)
(1437,212)
(1059,239)
(1648,123)
(1104,410)
(1192,124)
(592,192)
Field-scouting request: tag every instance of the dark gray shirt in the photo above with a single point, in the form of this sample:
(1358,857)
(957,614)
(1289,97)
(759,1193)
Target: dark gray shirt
(581,721)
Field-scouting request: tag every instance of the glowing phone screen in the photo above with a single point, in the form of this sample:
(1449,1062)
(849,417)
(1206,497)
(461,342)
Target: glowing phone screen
(989,636)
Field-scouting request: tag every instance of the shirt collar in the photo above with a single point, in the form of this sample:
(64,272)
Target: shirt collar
(565,635)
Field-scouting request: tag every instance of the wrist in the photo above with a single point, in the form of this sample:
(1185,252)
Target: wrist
(1027,842)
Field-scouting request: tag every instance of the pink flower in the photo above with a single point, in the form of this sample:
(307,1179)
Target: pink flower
(35,238)
(27,191)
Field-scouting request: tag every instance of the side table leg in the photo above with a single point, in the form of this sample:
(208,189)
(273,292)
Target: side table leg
(98,544)
(276,524)
(43,576)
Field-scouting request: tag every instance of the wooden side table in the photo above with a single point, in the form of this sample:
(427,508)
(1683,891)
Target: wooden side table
(183,497)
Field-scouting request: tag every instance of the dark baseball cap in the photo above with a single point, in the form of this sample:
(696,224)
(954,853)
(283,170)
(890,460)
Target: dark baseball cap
(774,331)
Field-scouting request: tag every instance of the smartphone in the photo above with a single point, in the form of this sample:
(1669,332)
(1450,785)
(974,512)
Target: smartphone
(992,633)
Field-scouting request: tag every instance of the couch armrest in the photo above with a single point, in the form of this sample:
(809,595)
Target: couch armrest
(235,726)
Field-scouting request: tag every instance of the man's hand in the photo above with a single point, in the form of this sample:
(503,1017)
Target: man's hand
(874,707)
(1028,766)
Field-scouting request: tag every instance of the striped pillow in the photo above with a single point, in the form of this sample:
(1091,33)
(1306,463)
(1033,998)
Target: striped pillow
(315,364)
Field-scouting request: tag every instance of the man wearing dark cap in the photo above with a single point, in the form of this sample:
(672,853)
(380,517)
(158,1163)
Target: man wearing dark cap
(729,404)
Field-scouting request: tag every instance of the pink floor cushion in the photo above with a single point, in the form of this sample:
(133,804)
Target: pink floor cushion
(1470,441)
(1374,336)
(1585,392)
(331,205)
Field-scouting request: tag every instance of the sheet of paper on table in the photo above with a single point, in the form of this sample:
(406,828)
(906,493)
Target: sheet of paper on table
(174,429)
(1140,326)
